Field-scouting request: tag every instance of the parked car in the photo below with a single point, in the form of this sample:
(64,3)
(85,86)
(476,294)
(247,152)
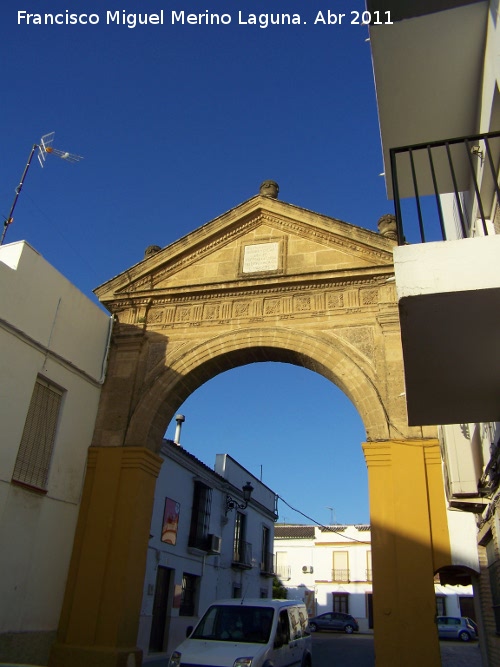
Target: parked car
(456,627)
(334,620)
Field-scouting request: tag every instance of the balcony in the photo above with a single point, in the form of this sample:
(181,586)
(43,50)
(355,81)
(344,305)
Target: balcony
(446,190)
(242,555)
(283,572)
(449,292)
(341,575)
(428,68)
(267,565)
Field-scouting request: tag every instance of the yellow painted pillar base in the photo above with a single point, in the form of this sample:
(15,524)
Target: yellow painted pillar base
(409,543)
(100,614)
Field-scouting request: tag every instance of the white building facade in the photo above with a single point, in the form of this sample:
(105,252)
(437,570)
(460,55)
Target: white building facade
(206,544)
(330,568)
(54,343)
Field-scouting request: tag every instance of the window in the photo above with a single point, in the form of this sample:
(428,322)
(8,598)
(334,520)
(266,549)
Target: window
(283,570)
(340,566)
(188,596)
(369,572)
(266,556)
(283,629)
(241,549)
(37,442)
(341,602)
(200,516)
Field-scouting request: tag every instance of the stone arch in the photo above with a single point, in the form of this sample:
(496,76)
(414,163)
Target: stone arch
(192,368)
(266,281)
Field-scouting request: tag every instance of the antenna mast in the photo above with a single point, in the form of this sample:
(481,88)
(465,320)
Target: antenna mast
(45,146)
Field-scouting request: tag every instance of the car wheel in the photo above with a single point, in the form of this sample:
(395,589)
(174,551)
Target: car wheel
(464,636)
(349,629)
(313,627)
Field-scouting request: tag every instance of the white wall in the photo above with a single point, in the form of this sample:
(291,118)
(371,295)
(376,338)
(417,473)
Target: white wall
(47,328)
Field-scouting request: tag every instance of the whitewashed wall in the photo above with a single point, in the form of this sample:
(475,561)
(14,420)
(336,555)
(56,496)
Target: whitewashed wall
(47,328)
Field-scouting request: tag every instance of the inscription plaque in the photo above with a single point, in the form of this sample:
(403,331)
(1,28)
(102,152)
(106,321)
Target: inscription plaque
(261,257)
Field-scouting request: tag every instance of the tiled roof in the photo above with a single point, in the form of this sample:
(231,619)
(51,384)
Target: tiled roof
(294,532)
(336,528)
(174,446)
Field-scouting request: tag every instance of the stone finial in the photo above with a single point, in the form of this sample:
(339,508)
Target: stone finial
(151,250)
(269,189)
(387,227)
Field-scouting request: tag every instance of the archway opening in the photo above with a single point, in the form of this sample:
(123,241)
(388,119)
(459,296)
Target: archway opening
(291,428)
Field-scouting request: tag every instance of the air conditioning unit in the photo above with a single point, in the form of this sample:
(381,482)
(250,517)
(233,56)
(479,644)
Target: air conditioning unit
(214,544)
(307,569)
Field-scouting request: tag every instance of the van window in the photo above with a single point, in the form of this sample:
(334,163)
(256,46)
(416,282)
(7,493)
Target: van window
(283,630)
(235,623)
(295,623)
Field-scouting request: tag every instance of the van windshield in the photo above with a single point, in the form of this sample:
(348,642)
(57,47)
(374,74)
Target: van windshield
(235,623)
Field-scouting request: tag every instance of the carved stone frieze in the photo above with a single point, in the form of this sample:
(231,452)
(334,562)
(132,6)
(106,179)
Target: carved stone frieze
(302,301)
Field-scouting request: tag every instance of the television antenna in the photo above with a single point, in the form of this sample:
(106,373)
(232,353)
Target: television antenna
(45,146)
(333,516)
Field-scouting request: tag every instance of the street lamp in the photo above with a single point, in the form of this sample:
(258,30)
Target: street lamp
(232,504)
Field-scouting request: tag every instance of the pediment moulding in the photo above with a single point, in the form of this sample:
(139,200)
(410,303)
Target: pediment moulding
(259,220)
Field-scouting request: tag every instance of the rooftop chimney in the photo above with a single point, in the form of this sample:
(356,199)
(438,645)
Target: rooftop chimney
(177,437)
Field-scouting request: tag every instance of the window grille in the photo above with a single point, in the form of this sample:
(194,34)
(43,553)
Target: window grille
(200,516)
(37,442)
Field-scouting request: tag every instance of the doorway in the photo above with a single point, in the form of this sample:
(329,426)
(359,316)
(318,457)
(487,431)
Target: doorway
(160,608)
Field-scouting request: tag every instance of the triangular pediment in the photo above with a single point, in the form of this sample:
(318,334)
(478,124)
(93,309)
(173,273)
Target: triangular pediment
(261,240)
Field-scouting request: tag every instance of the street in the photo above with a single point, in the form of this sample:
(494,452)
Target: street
(340,650)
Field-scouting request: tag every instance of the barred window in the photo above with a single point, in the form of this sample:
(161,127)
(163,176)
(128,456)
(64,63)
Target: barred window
(37,442)
(200,516)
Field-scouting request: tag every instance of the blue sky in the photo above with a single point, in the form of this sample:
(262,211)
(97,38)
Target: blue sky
(178,124)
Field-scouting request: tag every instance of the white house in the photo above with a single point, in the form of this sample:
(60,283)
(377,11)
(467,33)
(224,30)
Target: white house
(206,543)
(437,77)
(54,343)
(330,568)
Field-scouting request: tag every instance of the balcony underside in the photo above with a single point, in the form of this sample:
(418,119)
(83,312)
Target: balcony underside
(451,348)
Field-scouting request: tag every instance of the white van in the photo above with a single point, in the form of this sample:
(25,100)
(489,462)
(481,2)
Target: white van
(248,633)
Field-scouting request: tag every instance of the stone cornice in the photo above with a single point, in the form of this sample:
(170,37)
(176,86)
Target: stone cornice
(253,287)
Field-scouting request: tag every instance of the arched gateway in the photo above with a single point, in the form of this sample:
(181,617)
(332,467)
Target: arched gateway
(266,281)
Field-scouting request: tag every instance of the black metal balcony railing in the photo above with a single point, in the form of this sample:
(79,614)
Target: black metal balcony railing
(340,575)
(464,168)
(267,564)
(242,554)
